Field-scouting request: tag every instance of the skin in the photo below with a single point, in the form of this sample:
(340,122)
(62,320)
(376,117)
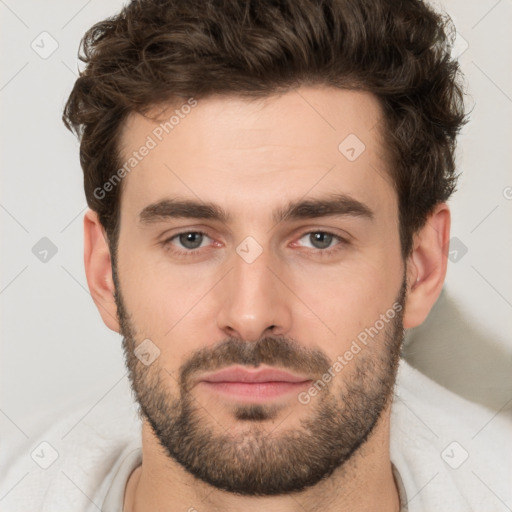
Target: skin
(251,157)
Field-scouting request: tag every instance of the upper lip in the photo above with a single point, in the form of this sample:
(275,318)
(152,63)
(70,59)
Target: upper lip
(241,374)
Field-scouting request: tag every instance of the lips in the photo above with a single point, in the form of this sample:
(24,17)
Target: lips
(253,386)
(241,374)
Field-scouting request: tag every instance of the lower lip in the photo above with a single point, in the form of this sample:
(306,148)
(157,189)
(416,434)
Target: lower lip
(255,391)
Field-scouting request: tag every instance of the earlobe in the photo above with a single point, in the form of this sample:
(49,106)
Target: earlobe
(426,266)
(98,269)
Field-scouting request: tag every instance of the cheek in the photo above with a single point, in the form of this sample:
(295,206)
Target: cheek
(157,293)
(350,297)
(169,306)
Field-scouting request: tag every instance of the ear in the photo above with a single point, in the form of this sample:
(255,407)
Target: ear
(426,266)
(98,269)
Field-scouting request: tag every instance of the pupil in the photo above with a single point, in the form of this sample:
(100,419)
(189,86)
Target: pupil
(321,240)
(191,240)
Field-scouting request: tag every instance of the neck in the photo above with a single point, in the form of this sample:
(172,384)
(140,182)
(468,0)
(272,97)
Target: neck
(364,482)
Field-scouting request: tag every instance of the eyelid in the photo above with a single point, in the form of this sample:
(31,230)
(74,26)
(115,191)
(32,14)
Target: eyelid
(336,232)
(342,241)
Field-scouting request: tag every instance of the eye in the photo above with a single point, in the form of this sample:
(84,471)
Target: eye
(323,240)
(188,243)
(189,240)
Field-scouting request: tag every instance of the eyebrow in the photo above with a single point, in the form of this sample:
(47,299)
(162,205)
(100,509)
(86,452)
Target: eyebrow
(332,205)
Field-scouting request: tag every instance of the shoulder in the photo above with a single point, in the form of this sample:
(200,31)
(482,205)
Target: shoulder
(69,464)
(452,454)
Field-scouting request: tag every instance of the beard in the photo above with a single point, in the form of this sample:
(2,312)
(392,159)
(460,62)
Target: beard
(254,460)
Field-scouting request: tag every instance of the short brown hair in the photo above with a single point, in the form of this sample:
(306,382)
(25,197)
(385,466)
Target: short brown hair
(155,51)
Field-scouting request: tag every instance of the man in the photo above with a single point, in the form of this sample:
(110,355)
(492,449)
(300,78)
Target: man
(267,184)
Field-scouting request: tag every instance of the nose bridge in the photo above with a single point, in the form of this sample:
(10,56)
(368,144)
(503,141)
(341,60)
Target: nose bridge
(253,299)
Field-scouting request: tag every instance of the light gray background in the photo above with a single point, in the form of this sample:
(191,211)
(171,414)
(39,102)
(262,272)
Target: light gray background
(56,351)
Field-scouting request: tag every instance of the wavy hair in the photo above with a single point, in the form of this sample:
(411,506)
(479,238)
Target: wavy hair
(155,51)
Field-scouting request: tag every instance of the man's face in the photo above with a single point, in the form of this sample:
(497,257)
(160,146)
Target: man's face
(317,292)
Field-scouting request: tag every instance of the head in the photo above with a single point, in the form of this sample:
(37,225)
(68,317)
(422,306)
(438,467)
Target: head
(268,185)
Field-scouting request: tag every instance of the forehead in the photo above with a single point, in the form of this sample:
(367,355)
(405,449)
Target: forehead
(242,152)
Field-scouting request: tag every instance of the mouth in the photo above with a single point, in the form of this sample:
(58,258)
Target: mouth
(253,386)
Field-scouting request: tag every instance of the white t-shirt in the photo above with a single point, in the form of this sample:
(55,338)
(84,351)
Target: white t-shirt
(447,454)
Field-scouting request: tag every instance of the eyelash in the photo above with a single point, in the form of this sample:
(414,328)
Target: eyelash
(193,252)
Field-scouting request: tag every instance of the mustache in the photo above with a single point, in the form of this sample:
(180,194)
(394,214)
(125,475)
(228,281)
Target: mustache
(270,350)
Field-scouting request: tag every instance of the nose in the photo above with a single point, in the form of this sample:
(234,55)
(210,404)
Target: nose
(254,303)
